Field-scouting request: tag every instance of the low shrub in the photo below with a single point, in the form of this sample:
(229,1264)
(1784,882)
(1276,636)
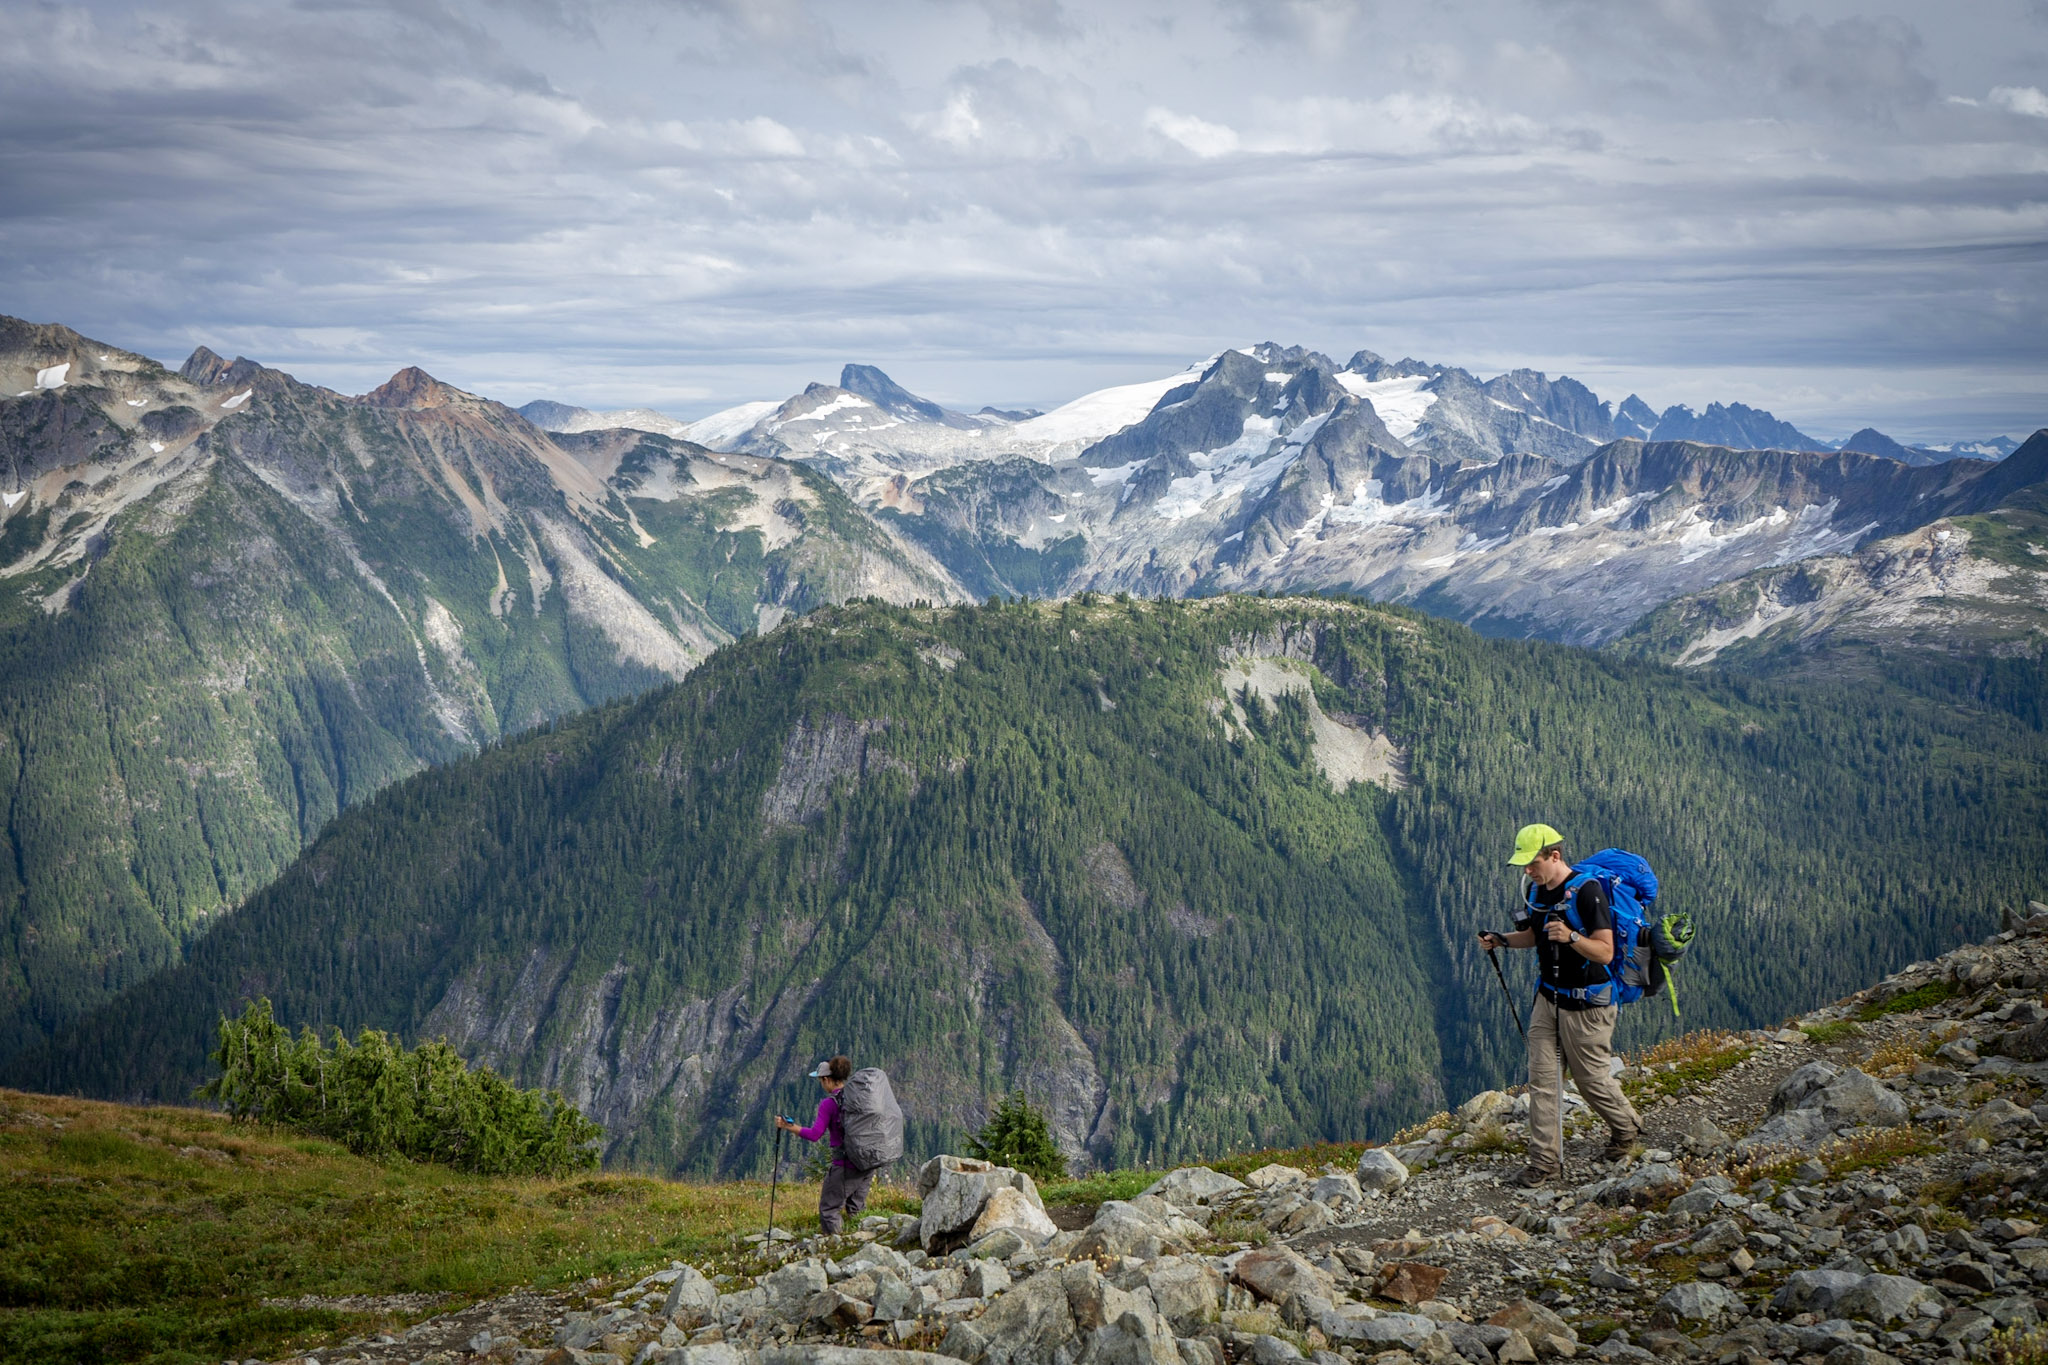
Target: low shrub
(1833,1031)
(1919,998)
(1017,1135)
(380,1099)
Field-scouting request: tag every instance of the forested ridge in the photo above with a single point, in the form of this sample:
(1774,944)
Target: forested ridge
(1028,845)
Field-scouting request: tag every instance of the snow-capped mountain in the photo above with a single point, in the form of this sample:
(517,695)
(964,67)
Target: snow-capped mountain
(1974,584)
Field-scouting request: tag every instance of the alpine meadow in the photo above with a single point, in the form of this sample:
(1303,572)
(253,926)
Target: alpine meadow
(1195,876)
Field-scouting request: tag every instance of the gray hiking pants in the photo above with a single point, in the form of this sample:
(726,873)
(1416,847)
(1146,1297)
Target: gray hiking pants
(845,1195)
(1588,1043)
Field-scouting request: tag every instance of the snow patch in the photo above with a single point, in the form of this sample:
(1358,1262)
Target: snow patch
(1369,508)
(52,376)
(138,402)
(1104,412)
(1242,465)
(1114,474)
(1401,403)
(156,447)
(12,499)
(237,400)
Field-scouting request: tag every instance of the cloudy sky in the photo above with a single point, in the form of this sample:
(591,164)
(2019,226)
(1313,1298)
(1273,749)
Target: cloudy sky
(1838,211)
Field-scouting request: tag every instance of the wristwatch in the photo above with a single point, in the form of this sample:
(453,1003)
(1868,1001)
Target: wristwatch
(1574,937)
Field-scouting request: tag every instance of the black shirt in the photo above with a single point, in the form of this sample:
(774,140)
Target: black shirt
(1561,965)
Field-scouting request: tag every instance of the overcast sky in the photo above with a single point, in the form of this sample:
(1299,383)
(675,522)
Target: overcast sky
(1837,211)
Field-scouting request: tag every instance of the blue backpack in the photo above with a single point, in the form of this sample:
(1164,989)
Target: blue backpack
(1631,889)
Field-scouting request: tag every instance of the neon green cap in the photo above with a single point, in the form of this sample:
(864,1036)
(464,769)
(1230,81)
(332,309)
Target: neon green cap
(1531,840)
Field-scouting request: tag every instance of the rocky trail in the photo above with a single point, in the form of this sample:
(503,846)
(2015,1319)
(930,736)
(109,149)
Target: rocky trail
(1864,1187)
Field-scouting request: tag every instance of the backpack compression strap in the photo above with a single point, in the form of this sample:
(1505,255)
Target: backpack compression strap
(1602,994)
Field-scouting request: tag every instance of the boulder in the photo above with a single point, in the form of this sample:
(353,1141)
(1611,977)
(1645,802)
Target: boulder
(1307,1217)
(1700,1301)
(710,1353)
(1814,1291)
(791,1287)
(985,1279)
(1412,1281)
(1885,1298)
(690,1296)
(2002,1119)
(1270,1177)
(1029,1324)
(1855,1099)
(1193,1185)
(951,1207)
(929,1173)
(1801,1083)
(1517,1349)
(1186,1293)
(1717,1238)
(1122,1229)
(1544,1329)
(1488,1106)
(1379,1169)
(1801,1128)
(1094,1301)
(1334,1189)
(894,1298)
(1855,1353)
(1405,1329)
(1135,1338)
(2029,1044)
(1011,1208)
(1272,1350)
(837,1310)
(1277,1274)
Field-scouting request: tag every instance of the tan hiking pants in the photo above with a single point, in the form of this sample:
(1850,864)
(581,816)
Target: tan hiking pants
(1588,1038)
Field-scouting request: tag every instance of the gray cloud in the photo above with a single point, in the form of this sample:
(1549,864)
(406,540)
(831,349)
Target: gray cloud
(704,201)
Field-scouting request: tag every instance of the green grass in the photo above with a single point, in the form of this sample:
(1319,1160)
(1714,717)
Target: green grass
(1695,1059)
(1919,998)
(1832,1031)
(1093,1189)
(156,1235)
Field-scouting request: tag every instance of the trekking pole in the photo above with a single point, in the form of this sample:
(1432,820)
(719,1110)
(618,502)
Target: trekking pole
(774,1175)
(1507,994)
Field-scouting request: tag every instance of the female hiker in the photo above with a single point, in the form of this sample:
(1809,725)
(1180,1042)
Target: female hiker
(845,1191)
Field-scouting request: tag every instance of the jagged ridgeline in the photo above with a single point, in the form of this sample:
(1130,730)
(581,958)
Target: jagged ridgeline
(232,604)
(1194,875)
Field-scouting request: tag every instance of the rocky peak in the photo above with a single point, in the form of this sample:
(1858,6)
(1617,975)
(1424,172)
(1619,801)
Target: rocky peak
(885,393)
(413,388)
(203,366)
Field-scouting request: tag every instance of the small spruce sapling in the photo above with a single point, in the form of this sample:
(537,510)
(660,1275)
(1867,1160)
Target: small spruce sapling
(1016,1135)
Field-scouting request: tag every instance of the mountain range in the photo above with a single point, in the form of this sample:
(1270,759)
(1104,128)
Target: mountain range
(236,605)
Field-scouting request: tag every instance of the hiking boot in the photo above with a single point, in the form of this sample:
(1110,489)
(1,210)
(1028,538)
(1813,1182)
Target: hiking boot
(1532,1176)
(1621,1148)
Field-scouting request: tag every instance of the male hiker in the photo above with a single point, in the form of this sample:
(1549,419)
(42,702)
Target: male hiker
(846,1190)
(1573,967)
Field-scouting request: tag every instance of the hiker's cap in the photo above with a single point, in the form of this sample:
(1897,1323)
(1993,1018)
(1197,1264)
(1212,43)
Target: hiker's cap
(824,1070)
(1531,840)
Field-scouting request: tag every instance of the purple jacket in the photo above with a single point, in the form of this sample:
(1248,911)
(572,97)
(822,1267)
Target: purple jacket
(826,1126)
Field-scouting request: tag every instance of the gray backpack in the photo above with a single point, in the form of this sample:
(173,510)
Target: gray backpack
(870,1119)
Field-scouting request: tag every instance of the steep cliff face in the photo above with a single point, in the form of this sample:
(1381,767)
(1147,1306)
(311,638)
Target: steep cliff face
(232,603)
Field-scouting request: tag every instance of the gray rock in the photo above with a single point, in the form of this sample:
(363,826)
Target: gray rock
(1011,1209)
(1122,1229)
(2002,1119)
(711,1353)
(1855,1099)
(1851,1353)
(955,1201)
(747,1305)
(1186,1293)
(690,1295)
(1271,1350)
(1277,1274)
(1802,1128)
(1885,1298)
(819,1353)
(1814,1291)
(1801,1083)
(1717,1238)
(1332,1189)
(894,1298)
(791,1287)
(1406,1329)
(1379,1169)
(1700,1301)
(1029,1324)
(1193,1185)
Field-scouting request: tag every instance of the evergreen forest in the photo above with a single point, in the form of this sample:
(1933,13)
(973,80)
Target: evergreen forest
(1057,848)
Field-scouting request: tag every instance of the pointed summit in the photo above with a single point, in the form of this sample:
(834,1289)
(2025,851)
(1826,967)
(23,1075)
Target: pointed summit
(413,388)
(886,394)
(203,367)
